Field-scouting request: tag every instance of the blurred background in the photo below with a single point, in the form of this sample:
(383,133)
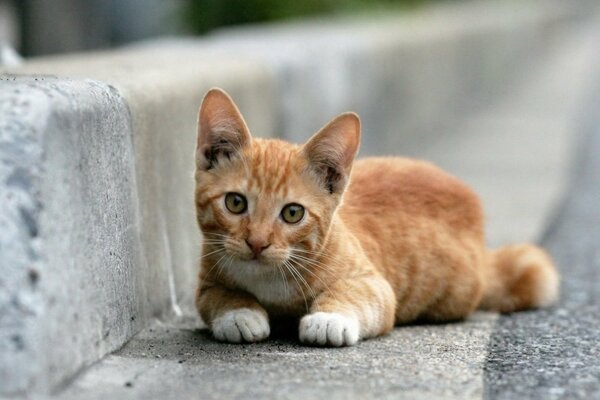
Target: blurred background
(39,27)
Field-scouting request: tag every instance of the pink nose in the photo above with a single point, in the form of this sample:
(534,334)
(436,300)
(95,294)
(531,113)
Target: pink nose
(257,246)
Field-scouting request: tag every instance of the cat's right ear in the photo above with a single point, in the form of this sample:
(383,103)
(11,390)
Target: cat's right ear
(331,151)
(222,131)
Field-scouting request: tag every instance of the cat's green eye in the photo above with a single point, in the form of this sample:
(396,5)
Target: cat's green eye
(236,203)
(292,213)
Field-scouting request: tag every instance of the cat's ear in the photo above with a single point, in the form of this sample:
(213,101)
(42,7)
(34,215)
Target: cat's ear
(331,151)
(222,131)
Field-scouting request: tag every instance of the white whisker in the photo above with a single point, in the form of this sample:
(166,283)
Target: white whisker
(287,266)
(315,275)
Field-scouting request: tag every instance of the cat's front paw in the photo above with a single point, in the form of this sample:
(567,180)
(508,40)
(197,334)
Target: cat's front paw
(239,325)
(329,329)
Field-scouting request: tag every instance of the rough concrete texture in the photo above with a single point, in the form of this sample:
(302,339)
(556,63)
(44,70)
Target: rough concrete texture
(554,354)
(527,137)
(410,363)
(68,230)
(9,26)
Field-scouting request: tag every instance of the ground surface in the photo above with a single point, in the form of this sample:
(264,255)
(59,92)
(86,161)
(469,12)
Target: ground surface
(540,354)
(554,353)
(169,363)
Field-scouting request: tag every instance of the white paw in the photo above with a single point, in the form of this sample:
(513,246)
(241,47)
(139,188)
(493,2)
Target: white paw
(241,324)
(330,329)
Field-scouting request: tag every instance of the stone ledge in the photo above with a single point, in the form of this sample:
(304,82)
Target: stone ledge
(69,288)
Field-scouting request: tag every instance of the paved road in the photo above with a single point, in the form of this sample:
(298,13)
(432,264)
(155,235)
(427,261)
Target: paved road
(555,353)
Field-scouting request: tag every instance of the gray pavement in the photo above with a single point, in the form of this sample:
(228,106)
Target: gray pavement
(179,361)
(554,354)
(412,362)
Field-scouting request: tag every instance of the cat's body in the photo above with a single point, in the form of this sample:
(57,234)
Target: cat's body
(393,241)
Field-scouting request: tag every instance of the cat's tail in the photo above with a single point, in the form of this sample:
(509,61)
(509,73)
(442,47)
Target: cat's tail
(520,277)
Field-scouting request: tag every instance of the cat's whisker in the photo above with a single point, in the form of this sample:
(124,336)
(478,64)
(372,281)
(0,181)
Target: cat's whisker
(214,239)
(326,286)
(210,246)
(288,267)
(299,263)
(226,264)
(214,235)
(211,253)
(216,264)
(314,253)
(283,278)
(313,263)
(301,277)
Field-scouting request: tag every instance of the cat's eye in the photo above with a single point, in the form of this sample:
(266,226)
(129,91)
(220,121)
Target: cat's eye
(236,203)
(292,213)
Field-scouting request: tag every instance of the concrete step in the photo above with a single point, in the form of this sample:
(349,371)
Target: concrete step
(98,234)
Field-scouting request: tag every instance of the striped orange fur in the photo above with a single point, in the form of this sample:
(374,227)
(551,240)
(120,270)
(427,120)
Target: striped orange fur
(382,241)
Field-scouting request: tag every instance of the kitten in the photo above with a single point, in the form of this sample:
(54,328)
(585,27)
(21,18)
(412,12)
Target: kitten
(350,251)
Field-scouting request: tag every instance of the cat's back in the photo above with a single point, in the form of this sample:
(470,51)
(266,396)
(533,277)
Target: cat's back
(395,191)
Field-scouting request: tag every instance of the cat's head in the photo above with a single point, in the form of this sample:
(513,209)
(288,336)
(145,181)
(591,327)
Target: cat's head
(268,200)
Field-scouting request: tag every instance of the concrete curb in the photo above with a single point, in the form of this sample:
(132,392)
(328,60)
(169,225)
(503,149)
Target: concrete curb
(71,277)
(113,207)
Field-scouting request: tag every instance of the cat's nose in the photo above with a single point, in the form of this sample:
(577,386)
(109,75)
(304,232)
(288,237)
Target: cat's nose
(257,246)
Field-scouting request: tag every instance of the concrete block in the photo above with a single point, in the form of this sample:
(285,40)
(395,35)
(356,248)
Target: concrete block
(9,26)
(71,287)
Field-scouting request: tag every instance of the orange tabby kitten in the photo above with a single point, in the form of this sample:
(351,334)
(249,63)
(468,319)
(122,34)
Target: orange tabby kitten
(298,231)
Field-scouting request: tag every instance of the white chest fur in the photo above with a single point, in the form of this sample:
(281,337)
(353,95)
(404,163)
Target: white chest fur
(266,283)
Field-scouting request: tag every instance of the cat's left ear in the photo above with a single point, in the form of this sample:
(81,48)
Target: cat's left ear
(222,131)
(331,151)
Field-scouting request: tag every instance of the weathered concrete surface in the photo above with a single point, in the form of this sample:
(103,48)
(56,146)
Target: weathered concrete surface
(9,27)
(517,154)
(71,287)
(410,363)
(554,354)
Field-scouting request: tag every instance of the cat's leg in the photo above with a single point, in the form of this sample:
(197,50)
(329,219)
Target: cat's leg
(233,316)
(350,310)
